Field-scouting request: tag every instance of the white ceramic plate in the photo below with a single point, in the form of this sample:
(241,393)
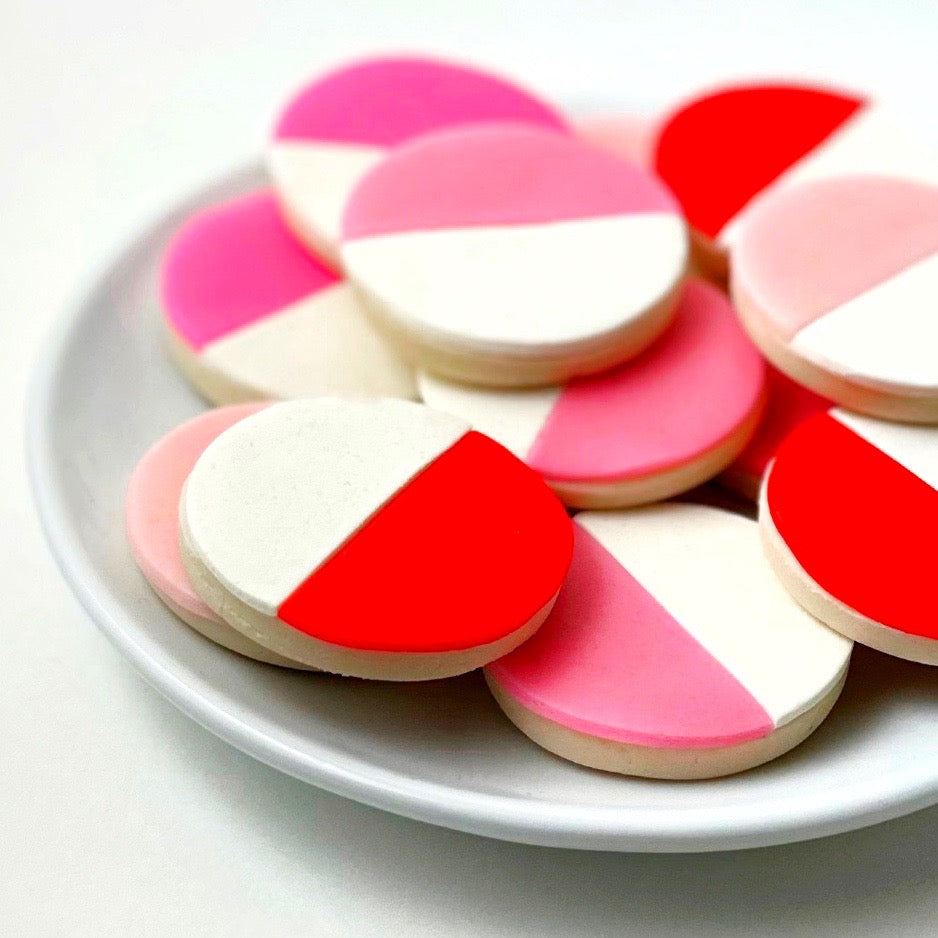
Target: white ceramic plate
(439,752)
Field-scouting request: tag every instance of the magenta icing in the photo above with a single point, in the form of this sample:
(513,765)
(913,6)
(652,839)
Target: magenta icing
(810,248)
(384,101)
(497,175)
(151,506)
(676,401)
(611,662)
(233,264)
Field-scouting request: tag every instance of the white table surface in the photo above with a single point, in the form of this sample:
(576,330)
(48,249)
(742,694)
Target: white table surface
(119,816)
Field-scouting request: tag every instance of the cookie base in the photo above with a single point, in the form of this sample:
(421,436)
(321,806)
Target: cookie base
(663,762)
(830,610)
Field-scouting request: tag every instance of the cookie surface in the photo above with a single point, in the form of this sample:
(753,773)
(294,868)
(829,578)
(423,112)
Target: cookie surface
(152,521)
(848,512)
(721,150)
(631,137)
(788,405)
(340,124)
(375,539)
(835,280)
(660,424)
(672,651)
(487,280)
(252,314)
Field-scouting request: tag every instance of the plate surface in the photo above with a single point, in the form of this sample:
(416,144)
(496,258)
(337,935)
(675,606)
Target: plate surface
(440,752)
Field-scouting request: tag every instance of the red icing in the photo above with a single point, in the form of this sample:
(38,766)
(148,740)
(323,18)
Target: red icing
(464,555)
(860,524)
(497,175)
(789,405)
(612,662)
(233,264)
(717,152)
(382,102)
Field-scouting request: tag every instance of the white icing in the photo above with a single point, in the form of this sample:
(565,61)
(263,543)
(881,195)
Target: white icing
(315,178)
(887,336)
(871,141)
(523,286)
(511,417)
(912,446)
(278,493)
(323,344)
(706,568)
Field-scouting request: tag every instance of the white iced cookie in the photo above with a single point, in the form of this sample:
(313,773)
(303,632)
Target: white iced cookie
(672,651)
(373,539)
(251,314)
(509,255)
(335,128)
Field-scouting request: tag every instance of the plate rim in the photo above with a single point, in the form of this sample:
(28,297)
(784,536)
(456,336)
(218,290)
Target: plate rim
(866,802)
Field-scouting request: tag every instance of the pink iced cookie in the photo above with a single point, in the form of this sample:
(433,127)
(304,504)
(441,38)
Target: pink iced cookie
(658,425)
(789,405)
(631,137)
(152,519)
(672,651)
(722,150)
(252,314)
(338,126)
(836,282)
(514,256)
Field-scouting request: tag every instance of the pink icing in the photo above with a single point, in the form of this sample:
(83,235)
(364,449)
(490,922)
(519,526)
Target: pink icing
(676,401)
(233,264)
(611,662)
(628,136)
(497,175)
(382,102)
(789,405)
(808,249)
(152,504)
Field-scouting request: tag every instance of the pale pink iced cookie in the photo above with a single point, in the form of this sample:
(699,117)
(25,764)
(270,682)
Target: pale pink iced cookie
(151,512)
(252,314)
(340,124)
(668,420)
(672,651)
(849,511)
(836,281)
(374,539)
(721,150)
(789,405)
(631,137)
(514,256)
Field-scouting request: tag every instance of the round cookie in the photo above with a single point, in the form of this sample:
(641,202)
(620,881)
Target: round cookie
(151,510)
(484,279)
(835,281)
(722,149)
(373,539)
(631,137)
(333,130)
(668,420)
(849,511)
(789,405)
(251,314)
(672,651)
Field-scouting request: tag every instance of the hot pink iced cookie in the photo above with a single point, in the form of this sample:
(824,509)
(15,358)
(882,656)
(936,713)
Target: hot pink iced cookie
(252,314)
(338,126)
(375,539)
(836,282)
(514,256)
(672,651)
(631,137)
(152,517)
(658,425)
(849,511)
(788,406)
(721,150)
